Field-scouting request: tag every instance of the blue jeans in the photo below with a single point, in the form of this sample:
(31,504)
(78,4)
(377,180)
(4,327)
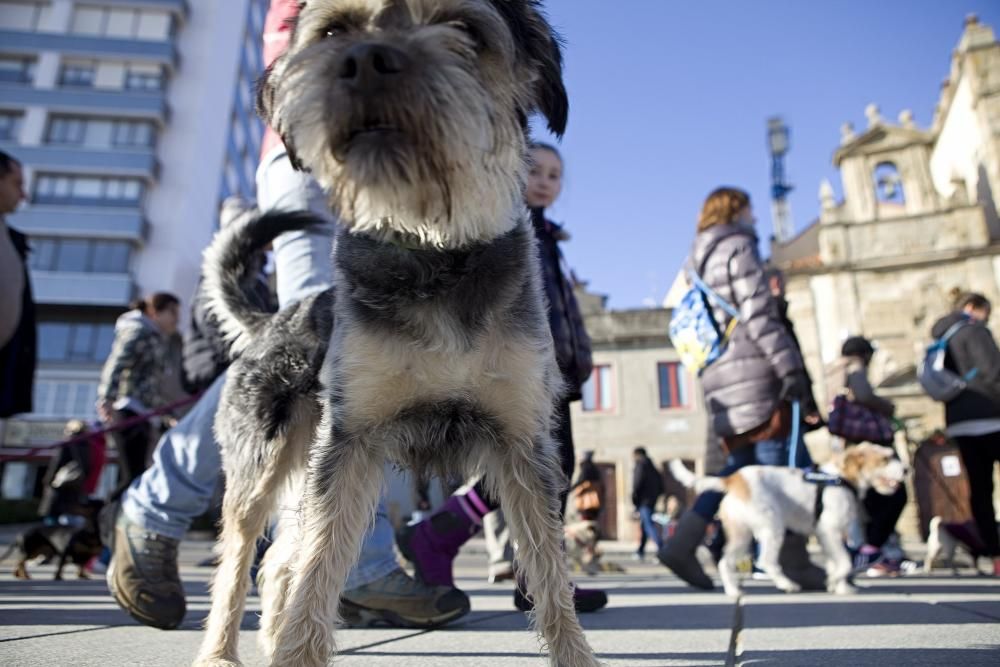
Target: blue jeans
(648,529)
(179,484)
(767,453)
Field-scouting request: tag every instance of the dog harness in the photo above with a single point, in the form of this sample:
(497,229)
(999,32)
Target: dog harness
(823,480)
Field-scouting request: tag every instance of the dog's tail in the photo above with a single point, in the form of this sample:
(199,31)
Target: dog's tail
(691,481)
(228,265)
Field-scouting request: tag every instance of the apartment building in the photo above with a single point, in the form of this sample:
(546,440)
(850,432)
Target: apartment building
(133,119)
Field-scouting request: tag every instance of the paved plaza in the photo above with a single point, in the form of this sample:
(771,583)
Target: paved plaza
(652,620)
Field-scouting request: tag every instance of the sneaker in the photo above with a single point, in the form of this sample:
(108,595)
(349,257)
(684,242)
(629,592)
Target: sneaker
(143,576)
(885,567)
(401,601)
(584,600)
(865,557)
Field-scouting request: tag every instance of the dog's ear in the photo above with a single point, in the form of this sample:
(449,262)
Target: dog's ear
(266,110)
(542,47)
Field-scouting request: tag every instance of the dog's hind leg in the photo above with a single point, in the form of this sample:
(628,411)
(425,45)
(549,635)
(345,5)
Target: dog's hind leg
(274,577)
(738,540)
(343,484)
(246,508)
(528,480)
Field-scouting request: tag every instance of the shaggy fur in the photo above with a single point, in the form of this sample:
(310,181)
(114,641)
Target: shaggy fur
(763,502)
(433,349)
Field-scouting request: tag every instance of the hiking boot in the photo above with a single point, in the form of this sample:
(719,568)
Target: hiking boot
(143,576)
(584,600)
(432,544)
(403,602)
(678,553)
(797,566)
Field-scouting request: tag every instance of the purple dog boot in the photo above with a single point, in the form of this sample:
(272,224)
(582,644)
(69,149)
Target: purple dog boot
(432,544)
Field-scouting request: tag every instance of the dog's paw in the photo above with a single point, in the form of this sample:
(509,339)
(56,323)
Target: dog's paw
(789,586)
(732,592)
(843,588)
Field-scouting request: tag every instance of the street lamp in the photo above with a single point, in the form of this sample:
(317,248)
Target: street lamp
(778,144)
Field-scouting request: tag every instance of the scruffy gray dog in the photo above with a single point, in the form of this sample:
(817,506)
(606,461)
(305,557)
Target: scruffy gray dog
(433,350)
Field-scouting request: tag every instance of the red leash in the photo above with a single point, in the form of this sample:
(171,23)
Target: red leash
(117,426)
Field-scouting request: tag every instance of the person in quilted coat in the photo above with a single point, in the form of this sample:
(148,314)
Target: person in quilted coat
(748,388)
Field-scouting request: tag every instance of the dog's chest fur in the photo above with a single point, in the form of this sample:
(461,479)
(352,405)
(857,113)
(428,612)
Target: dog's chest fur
(441,348)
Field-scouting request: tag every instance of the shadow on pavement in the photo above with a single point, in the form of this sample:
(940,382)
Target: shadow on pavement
(878,657)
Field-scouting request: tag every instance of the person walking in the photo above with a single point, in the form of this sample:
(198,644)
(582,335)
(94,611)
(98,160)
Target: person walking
(850,374)
(973,416)
(433,544)
(18,331)
(647,487)
(158,508)
(748,389)
(132,378)
(588,488)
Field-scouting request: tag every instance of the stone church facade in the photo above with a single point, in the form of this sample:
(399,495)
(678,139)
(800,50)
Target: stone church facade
(917,223)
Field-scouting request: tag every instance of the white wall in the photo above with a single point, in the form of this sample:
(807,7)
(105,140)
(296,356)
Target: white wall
(182,207)
(956,152)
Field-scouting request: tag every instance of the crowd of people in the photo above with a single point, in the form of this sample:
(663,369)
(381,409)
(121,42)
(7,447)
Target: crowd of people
(749,392)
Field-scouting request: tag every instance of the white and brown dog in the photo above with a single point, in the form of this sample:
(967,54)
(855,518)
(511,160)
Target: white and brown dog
(433,348)
(763,502)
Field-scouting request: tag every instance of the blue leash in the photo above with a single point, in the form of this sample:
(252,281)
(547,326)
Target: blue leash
(793,446)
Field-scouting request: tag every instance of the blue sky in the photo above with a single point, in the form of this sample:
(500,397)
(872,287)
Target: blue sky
(670,99)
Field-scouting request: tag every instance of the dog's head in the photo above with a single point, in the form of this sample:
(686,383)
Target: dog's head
(872,466)
(413,113)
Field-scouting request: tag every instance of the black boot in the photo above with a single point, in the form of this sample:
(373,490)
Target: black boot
(678,553)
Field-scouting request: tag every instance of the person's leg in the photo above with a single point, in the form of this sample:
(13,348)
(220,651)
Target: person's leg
(498,547)
(649,529)
(883,513)
(132,444)
(980,454)
(563,436)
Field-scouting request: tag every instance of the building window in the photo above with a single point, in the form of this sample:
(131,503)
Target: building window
(20,15)
(888,184)
(87,190)
(66,130)
(78,74)
(144,77)
(121,23)
(673,385)
(132,133)
(17,70)
(79,255)
(10,126)
(598,394)
(64,399)
(75,342)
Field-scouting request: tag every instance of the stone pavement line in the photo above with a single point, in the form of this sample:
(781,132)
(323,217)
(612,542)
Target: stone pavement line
(56,634)
(733,652)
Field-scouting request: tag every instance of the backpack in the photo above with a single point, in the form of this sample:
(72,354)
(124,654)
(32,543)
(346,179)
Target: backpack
(939,382)
(693,330)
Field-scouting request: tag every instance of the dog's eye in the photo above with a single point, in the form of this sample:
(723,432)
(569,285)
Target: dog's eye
(469,30)
(335,29)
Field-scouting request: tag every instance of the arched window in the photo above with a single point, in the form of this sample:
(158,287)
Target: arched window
(888,184)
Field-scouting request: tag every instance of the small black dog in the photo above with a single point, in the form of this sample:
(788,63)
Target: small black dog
(67,542)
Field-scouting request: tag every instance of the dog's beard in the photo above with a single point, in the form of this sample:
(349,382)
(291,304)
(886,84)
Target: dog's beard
(437,159)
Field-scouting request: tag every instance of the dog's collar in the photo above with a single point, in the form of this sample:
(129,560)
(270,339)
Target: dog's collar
(822,480)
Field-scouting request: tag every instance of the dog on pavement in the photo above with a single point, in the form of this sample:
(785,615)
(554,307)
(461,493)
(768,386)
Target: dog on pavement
(67,542)
(763,502)
(944,540)
(433,348)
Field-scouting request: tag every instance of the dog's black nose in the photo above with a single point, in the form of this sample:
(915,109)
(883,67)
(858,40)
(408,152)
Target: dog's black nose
(367,65)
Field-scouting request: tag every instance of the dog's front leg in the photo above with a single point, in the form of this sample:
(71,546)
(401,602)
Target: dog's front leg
(343,484)
(528,481)
(838,561)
